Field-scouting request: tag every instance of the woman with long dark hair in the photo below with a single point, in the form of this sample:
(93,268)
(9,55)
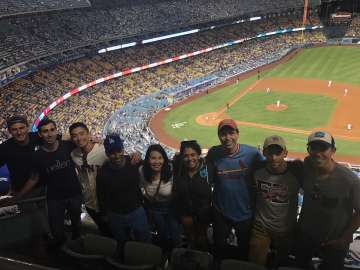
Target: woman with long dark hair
(192,195)
(157,187)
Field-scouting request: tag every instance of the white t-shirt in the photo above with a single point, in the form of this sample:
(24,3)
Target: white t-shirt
(87,175)
(149,189)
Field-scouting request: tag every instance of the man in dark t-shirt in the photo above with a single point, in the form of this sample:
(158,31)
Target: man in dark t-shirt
(119,195)
(52,163)
(17,151)
(330,214)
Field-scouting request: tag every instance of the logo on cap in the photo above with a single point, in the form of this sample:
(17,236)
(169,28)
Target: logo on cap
(113,142)
(319,134)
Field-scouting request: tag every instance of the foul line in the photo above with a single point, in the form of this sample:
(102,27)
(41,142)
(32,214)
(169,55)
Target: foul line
(238,97)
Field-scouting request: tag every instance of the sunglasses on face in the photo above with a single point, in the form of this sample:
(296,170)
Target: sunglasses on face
(319,147)
(273,150)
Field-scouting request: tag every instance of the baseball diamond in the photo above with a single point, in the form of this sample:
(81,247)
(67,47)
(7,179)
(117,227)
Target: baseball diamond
(300,82)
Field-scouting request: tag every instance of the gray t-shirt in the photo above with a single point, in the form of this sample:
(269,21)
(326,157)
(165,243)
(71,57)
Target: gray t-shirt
(277,197)
(329,202)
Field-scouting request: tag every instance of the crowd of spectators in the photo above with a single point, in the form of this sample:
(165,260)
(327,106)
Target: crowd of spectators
(94,106)
(12,7)
(354,29)
(27,37)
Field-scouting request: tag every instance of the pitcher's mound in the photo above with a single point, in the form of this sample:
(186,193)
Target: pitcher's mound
(273,107)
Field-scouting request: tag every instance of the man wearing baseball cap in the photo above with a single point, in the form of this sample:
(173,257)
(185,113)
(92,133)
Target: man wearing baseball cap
(17,151)
(331,209)
(231,164)
(277,186)
(119,195)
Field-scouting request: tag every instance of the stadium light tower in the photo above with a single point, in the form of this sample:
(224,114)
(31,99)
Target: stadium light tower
(305,19)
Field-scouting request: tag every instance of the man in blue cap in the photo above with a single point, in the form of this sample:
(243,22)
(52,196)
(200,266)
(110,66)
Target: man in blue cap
(119,195)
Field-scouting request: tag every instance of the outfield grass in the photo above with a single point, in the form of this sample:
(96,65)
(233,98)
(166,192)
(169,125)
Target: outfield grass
(336,63)
(252,108)
(328,63)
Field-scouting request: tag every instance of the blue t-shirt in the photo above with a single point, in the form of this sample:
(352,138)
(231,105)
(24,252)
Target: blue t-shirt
(232,180)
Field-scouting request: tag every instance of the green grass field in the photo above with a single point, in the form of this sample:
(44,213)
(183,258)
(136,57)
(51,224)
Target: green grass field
(327,63)
(252,108)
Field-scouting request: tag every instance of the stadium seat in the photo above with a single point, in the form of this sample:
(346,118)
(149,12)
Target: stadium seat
(91,246)
(230,264)
(138,256)
(182,258)
(288,268)
(90,251)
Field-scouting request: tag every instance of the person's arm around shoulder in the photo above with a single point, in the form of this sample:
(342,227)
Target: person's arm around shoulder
(258,162)
(259,157)
(135,158)
(297,169)
(253,185)
(210,154)
(211,168)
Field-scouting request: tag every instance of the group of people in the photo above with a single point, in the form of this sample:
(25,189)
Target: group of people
(249,198)
(354,29)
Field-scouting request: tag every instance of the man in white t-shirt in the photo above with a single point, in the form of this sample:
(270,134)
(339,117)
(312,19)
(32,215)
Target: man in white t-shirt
(88,158)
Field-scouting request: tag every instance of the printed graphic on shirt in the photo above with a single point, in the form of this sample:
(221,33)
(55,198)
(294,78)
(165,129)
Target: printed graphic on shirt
(275,193)
(235,172)
(89,168)
(58,165)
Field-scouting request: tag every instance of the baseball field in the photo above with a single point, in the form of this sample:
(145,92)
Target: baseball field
(311,89)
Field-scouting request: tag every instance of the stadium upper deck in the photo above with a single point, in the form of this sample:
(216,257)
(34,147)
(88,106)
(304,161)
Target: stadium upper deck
(15,7)
(27,37)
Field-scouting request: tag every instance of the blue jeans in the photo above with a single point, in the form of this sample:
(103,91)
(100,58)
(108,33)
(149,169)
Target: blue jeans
(56,215)
(166,225)
(136,222)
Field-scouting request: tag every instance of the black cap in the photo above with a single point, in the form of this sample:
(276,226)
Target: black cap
(16,119)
